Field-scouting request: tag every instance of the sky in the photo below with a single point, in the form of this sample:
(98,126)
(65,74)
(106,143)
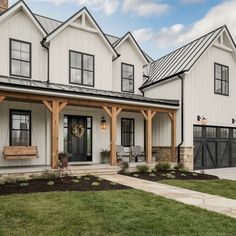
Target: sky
(159,26)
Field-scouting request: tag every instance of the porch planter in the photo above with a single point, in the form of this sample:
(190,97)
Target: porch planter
(105,155)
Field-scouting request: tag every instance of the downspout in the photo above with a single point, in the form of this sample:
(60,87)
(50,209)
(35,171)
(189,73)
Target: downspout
(47,48)
(182,116)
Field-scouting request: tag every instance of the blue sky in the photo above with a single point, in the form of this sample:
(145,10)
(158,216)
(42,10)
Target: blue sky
(158,25)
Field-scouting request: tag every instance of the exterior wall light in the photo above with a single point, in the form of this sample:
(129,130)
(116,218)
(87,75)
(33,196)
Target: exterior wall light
(233,121)
(202,119)
(103,123)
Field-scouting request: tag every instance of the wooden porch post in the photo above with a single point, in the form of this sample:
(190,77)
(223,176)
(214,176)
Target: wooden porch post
(173,134)
(148,115)
(2,98)
(113,113)
(55,107)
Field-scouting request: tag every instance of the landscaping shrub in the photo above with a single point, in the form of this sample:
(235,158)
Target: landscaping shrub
(142,168)
(170,176)
(95,183)
(50,183)
(124,167)
(179,166)
(76,181)
(163,166)
(24,184)
(2,182)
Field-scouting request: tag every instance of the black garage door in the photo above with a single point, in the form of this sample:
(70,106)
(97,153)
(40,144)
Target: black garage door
(215,147)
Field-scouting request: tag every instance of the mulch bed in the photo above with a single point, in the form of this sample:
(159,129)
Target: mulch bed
(60,184)
(166,174)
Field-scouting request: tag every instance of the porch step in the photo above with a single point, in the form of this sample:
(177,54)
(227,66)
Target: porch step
(94,170)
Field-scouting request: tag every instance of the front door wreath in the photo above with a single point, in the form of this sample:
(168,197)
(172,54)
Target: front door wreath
(77,131)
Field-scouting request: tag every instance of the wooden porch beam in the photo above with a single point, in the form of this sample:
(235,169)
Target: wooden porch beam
(107,110)
(113,157)
(171,116)
(2,98)
(62,106)
(81,102)
(144,114)
(118,111)
(48,106)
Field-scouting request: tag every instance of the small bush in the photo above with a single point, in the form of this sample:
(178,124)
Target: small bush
(135,175)
(182,174)
(179,166)
(95,183)
(152,174)
(113,183)
(50,183)
(195,174)
(163,166)
(100,179)
(163,175)
(76,181)
(172,172)
(24,184)
(10,180)
(87,178)
(142,168)
(2,182)
(22,179)
(170,176)
(124,167)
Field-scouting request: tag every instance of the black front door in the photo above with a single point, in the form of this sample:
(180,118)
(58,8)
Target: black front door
(79,138)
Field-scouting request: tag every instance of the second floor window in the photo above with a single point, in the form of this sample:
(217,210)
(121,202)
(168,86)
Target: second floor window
(127,78)
(221,79)
(20,58)
(81,68)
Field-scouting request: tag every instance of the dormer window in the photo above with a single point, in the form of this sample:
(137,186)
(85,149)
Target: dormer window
(221,79)
(127,78)
(81,68)
(20,58)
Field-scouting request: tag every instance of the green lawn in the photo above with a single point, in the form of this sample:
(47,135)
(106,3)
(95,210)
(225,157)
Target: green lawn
(125,212)
(221,187)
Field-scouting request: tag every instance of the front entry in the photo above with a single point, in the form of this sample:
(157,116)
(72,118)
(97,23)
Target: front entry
(78,138)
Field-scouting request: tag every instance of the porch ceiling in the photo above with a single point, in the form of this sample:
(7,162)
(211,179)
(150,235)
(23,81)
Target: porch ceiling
(36,91)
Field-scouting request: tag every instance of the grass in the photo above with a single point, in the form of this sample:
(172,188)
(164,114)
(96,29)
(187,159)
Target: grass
(220,187)
(126,212)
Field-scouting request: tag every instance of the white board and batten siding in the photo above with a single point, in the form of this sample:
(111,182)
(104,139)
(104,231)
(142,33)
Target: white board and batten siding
(85,42)
(20,27)
(40,132)
(171,89)
(200,97)
(129,55)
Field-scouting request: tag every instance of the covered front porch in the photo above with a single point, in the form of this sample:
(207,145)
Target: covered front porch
(88,113)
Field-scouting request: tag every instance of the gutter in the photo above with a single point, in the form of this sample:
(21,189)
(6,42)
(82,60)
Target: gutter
(182,116)
(43,43)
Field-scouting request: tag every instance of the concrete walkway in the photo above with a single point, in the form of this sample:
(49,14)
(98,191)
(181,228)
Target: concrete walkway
(223,173)
(207,201)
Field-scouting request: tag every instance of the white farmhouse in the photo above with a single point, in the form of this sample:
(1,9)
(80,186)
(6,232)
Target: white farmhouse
(68,87)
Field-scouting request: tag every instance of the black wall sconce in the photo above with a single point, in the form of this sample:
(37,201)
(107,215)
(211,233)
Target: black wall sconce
(103,123)
(233,121)
(202,119)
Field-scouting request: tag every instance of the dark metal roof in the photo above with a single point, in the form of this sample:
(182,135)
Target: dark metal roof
(83,91)
(180,60)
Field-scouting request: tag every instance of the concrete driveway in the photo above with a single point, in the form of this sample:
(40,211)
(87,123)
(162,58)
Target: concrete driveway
(223,173)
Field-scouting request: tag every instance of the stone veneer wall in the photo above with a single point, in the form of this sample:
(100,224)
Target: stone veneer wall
(164,154)
(187,157)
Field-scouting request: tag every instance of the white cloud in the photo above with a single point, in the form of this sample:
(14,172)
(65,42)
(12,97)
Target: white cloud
(192,1)
(144,8)
(178,34)
(143,35)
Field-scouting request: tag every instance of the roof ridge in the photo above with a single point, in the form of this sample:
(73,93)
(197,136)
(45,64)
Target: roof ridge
(189,43)
(50,18)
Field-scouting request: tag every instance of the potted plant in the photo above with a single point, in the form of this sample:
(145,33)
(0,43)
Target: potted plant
(63,159)
(105,155)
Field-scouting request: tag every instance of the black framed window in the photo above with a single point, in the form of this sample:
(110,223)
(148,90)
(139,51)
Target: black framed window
(81,68)
(20,58)
(221,79)
(20,128)
(127,77)
(127,132)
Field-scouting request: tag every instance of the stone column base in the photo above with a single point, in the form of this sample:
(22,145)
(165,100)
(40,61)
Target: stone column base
(187,157)
(163,154)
